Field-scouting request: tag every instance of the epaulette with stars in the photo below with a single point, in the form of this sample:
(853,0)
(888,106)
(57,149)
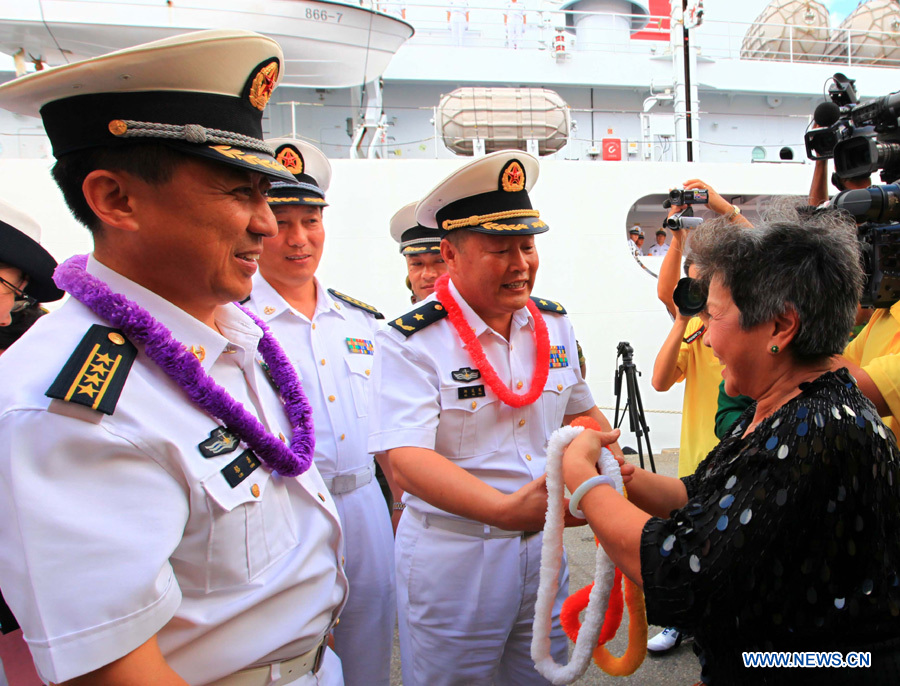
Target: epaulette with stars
(356,303)
(419,318)
(96,372)
(548,305)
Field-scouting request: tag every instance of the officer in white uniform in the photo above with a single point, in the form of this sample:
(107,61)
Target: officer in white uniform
(471,462)
(330,339)
(421,247)
(154,542)
(514,18)
(661,247)
(458,18)
(633,234)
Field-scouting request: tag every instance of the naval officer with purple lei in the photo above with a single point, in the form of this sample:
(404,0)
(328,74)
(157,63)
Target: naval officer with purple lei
(170,525)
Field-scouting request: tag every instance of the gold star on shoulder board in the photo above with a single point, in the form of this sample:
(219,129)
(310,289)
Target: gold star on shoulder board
(87,390)
(419,317)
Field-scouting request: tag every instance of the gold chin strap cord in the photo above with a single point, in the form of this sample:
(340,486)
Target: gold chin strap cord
(479,219)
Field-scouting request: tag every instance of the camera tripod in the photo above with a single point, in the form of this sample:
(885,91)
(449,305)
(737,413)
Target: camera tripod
(634,408)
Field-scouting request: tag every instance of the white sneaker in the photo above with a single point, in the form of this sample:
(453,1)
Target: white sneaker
(666,640)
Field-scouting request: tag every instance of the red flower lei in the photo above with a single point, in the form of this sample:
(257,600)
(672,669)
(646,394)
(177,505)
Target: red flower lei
(480,361)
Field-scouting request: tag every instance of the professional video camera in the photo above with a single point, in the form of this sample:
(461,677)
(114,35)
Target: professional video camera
(877,210)
(861,137)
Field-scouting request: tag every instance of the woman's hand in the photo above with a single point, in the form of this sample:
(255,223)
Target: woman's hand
(580,458)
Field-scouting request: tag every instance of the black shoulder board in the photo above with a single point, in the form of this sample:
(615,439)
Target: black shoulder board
(419,318)
(95,374)
(548,305)
(356,303)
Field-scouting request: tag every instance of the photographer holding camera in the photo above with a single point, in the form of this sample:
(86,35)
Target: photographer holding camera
(683,356)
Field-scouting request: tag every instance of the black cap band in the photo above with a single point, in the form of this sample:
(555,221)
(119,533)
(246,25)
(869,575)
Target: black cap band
(95,112)
(483,204)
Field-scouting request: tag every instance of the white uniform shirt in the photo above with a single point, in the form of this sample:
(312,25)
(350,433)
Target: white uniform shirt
(419,402)
(515,11)
(659,250)
(458,9)
(117,528)
(331,351)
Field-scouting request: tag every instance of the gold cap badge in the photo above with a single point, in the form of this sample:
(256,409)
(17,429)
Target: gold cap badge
(291,160)
(263,85)
(512,178)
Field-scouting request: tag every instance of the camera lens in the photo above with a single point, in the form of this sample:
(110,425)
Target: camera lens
(689,297)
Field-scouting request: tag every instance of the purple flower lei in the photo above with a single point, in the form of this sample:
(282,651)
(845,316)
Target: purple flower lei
(184,369)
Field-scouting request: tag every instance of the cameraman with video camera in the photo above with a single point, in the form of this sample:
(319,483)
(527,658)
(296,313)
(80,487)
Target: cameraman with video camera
(872,355)
(864,138)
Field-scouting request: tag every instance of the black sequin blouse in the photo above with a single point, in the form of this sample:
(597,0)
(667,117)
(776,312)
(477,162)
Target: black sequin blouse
(790,541)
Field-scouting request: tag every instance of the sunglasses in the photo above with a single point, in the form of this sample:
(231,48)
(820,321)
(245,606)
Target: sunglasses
(23,300)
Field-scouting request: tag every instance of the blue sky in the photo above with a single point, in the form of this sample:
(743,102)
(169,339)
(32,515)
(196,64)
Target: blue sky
(748,10)
(840,8)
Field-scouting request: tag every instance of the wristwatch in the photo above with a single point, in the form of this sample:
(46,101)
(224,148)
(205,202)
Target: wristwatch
(735,211)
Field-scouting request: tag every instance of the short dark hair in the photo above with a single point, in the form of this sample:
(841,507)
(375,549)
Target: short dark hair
(457,237)
(809,263)
(150,161)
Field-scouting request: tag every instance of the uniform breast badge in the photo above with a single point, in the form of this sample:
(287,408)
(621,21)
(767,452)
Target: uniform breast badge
(220,442)
(96,372)
(558,358)
(360,346)
(466,374)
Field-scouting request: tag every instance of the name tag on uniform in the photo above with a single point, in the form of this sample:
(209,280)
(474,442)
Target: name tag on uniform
(360,346)
(240,468)
(470,392)
(558,358)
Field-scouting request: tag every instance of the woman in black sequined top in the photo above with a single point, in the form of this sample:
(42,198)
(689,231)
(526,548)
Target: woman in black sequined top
(787,537)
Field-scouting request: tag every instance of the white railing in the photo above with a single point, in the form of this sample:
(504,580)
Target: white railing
(609,33)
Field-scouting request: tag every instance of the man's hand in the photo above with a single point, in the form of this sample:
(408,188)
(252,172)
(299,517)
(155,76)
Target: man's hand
(526,509)
(143,665)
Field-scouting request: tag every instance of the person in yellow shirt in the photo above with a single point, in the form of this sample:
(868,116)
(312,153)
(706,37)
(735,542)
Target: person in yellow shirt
(872,359)
(683,357)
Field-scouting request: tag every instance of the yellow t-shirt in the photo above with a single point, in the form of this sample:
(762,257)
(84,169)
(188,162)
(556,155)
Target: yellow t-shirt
(702,373)
(875,350)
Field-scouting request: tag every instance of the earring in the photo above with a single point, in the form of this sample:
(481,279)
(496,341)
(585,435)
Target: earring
(774,349)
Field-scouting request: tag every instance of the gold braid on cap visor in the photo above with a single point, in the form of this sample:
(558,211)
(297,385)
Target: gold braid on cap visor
(479,219)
